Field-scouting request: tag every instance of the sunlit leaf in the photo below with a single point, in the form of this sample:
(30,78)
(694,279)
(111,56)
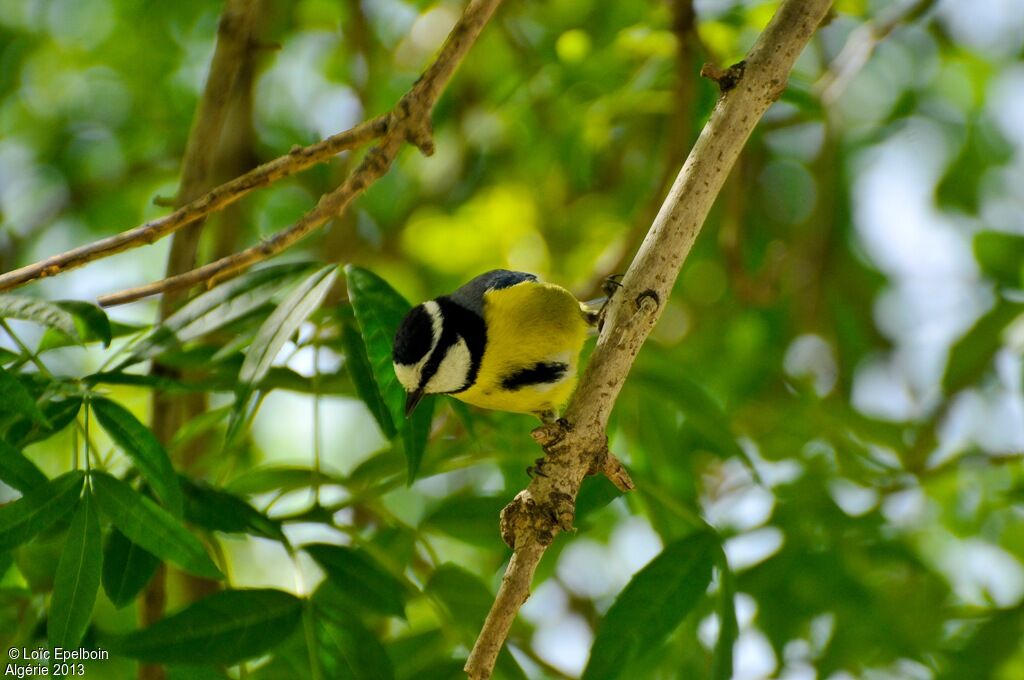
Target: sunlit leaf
(272,336)
(217,308)
(77,580)
(38,311)
(379,311)
(39,508)
(224,628)
(1001,256)
(973,353)
(651,606)
(145,450)
(90,321)
(144,522)
(277,478)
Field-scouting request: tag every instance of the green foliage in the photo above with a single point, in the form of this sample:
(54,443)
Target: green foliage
(78,578)
(654,602)
(833,386)
(223,628)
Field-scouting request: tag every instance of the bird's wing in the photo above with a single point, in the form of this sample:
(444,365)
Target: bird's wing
(471,295)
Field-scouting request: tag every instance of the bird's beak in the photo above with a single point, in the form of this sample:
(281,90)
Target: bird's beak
(411,401)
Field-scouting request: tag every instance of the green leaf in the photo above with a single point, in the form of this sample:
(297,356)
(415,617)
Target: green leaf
(278,478)
(379,311)
(225,628)
(651,606)
(15,398)
(728,627)
(346,649)
(147,524)
(145,450)
(357,363)
(1001,257)
(415,435)
(38,311)
(37,510)
(463,593)
(217,308)
(995,641)
(361,578)
(473,519)
(17,470)
(77,580)
(58,414)
(219,510)
(127,568)
(973,353)
(272,336)
(91,324)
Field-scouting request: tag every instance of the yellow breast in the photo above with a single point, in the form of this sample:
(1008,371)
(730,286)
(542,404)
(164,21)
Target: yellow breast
(528,324)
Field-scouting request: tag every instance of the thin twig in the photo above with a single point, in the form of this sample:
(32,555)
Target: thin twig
(577,446)
(295,161)
(408,122)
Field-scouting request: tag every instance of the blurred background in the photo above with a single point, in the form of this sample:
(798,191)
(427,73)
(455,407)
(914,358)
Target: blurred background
(835,385)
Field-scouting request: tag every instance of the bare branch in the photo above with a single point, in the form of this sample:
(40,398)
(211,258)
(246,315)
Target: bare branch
(297,160)
(577,446)
(408,122)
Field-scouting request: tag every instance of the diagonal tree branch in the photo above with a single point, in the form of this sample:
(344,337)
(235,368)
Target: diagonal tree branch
(408,122)
(577,445)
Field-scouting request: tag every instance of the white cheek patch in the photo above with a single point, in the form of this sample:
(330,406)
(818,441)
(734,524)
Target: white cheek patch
(409,376)
(453,371)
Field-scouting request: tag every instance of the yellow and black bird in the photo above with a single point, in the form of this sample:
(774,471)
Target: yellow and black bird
(504,341)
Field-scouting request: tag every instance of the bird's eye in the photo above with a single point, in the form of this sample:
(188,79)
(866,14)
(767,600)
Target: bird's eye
(414,337)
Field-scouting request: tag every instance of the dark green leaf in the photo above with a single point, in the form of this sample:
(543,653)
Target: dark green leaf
(1001,256)
(973,353)
(15,398)
(473,519)
(728,628)
(77,580)
(379,311)
(216,309)
(272,336)
(225,628)
(145,450)
(995,641)
(17,470)
(90,321)
(58,414)
(651,605)
(127,568)
(415,435)
(595,493)
(38,311)
(151,527)
(218,510)
(361,578)
(463,593)
(38,509)
(346,649)
(358,365)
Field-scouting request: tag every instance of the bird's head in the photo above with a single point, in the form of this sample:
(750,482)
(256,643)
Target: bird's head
(430,356)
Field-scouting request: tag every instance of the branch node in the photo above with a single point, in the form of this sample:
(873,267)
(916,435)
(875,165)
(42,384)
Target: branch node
(607,463)
(728,78)
(164,201)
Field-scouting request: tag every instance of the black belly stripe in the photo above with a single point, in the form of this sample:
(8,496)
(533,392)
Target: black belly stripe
(539,374)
